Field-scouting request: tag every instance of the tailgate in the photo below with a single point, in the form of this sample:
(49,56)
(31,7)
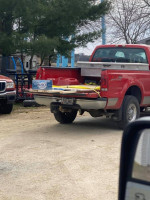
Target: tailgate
(77,96)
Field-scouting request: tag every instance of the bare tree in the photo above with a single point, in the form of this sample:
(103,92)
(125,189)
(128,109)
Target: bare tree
(147,2)
(128,21)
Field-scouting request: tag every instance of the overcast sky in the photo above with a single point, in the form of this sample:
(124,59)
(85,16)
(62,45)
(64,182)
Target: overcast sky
(90,47)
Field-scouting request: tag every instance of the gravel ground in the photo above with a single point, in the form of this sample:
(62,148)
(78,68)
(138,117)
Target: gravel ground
(43,160)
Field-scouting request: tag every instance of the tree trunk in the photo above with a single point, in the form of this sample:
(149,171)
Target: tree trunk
(22,59)
(42,60)
(31,61)
(50,57)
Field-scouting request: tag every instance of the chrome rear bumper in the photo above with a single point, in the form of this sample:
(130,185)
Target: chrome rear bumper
(85,104)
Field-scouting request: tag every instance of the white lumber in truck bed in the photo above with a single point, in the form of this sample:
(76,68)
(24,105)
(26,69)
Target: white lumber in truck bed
(52,91)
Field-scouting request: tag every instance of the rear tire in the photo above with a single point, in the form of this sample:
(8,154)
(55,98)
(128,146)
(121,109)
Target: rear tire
(66,117)
(5,108)
(130,111)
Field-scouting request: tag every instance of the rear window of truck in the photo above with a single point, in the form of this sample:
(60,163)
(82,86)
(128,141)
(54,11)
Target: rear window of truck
(116,54)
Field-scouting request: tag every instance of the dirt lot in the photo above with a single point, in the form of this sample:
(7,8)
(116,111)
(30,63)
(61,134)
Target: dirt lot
(43,160)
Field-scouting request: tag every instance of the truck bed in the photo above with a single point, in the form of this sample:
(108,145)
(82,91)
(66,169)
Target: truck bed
(76,82)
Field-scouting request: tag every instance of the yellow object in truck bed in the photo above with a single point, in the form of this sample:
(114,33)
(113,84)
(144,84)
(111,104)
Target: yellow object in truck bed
(78,87)
(70,89)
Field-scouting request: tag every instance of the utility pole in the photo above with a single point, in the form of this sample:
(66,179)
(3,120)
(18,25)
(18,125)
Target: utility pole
(58,60)
(64,61)
(103,29)
(73,58)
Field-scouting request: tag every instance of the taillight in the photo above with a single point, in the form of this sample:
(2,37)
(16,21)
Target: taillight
(104,82)
(39,73)
(120,45)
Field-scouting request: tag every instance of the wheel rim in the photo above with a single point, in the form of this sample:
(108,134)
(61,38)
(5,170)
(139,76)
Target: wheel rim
(131,113)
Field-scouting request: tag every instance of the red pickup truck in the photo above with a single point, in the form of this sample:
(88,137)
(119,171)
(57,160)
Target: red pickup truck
(7,95)
(114,83)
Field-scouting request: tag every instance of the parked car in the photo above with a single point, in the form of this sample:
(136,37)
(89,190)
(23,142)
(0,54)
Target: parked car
(7,95)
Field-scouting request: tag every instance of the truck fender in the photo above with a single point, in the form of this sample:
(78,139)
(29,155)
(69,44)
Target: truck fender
(132,88)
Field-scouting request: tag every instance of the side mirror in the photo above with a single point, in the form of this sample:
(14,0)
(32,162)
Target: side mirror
(134,181)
